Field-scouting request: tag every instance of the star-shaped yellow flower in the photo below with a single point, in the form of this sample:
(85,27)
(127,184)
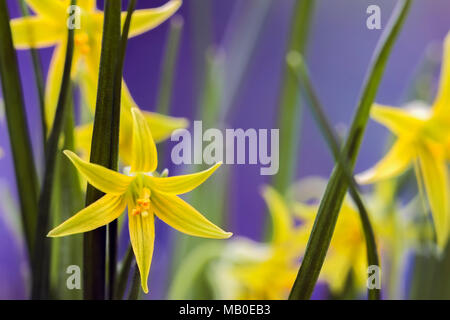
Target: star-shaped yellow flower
(263,271)
(145,195)
(49,28)
(423,140)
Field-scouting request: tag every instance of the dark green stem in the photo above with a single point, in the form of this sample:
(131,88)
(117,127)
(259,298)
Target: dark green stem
(124,273)
(289,112)
(330,137)
(41,253)
(38,75)
(104,147)
(135,288)
(24,167)
(112,228)
(331,203)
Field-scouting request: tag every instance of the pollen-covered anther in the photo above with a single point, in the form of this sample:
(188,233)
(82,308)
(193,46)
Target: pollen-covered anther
(143,203)
(82,42)
(136,211)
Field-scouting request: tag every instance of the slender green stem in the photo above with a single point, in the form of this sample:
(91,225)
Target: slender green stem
(112,227)
(329,135)
(331,203)
(168,73)
(169,64)
(290,111)
(103,148)
(124,272)
(135,288)
(24,167)
(38,75)
(41,254)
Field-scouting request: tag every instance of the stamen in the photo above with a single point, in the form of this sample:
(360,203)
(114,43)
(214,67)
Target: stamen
(143,203)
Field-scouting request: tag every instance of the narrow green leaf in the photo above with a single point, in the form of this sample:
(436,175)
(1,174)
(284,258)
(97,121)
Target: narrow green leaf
(24,167)
(290,111)
(296,62)
(103,148)
(135,288)
(331,203)
(169,64)
(123,274)
(41,253)
(113,226)
(38,76)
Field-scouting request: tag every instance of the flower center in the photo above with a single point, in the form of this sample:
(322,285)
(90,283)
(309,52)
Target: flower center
(82,43)
(142,204)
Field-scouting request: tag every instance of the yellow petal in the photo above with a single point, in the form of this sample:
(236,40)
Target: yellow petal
(279,212)
(399,121)
(181,184)
(147,19)
(100,213)
(435,178)
(83,136)
(53,85)
(397,161)
(35,32)
(105,180)
(49,8)
(163,126)
(88,5)
(142,237)
(442,103)
(181,216)
(145,157)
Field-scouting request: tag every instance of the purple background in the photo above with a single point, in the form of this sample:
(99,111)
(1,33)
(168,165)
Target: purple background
(339,52)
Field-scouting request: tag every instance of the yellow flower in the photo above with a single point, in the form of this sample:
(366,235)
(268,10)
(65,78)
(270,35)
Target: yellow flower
(423,140)
(49,28)
(145,195)
(263,271)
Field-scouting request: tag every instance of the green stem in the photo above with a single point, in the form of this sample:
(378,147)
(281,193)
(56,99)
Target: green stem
(38,76)
(103,148)
(167,73)
(301,71)
(331,203)
(41,253)
(24,167)
(124,273)
(135,288)
(290,111)
(168,66)
(112,227)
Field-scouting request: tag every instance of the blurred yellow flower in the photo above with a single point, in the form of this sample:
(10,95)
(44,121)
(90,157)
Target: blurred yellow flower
(252,270)
(49,28)
(145,194)
(423,140)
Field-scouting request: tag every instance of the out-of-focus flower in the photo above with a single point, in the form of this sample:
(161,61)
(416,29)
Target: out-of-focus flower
(145,194)
(49,28)
(423,140)
(252,270)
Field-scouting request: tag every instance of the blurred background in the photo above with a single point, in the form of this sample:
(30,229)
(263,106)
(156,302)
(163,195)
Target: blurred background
(249,39)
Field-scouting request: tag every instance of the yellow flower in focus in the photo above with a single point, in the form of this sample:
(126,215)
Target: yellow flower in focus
(49,28)
(423,140)
(145,195)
